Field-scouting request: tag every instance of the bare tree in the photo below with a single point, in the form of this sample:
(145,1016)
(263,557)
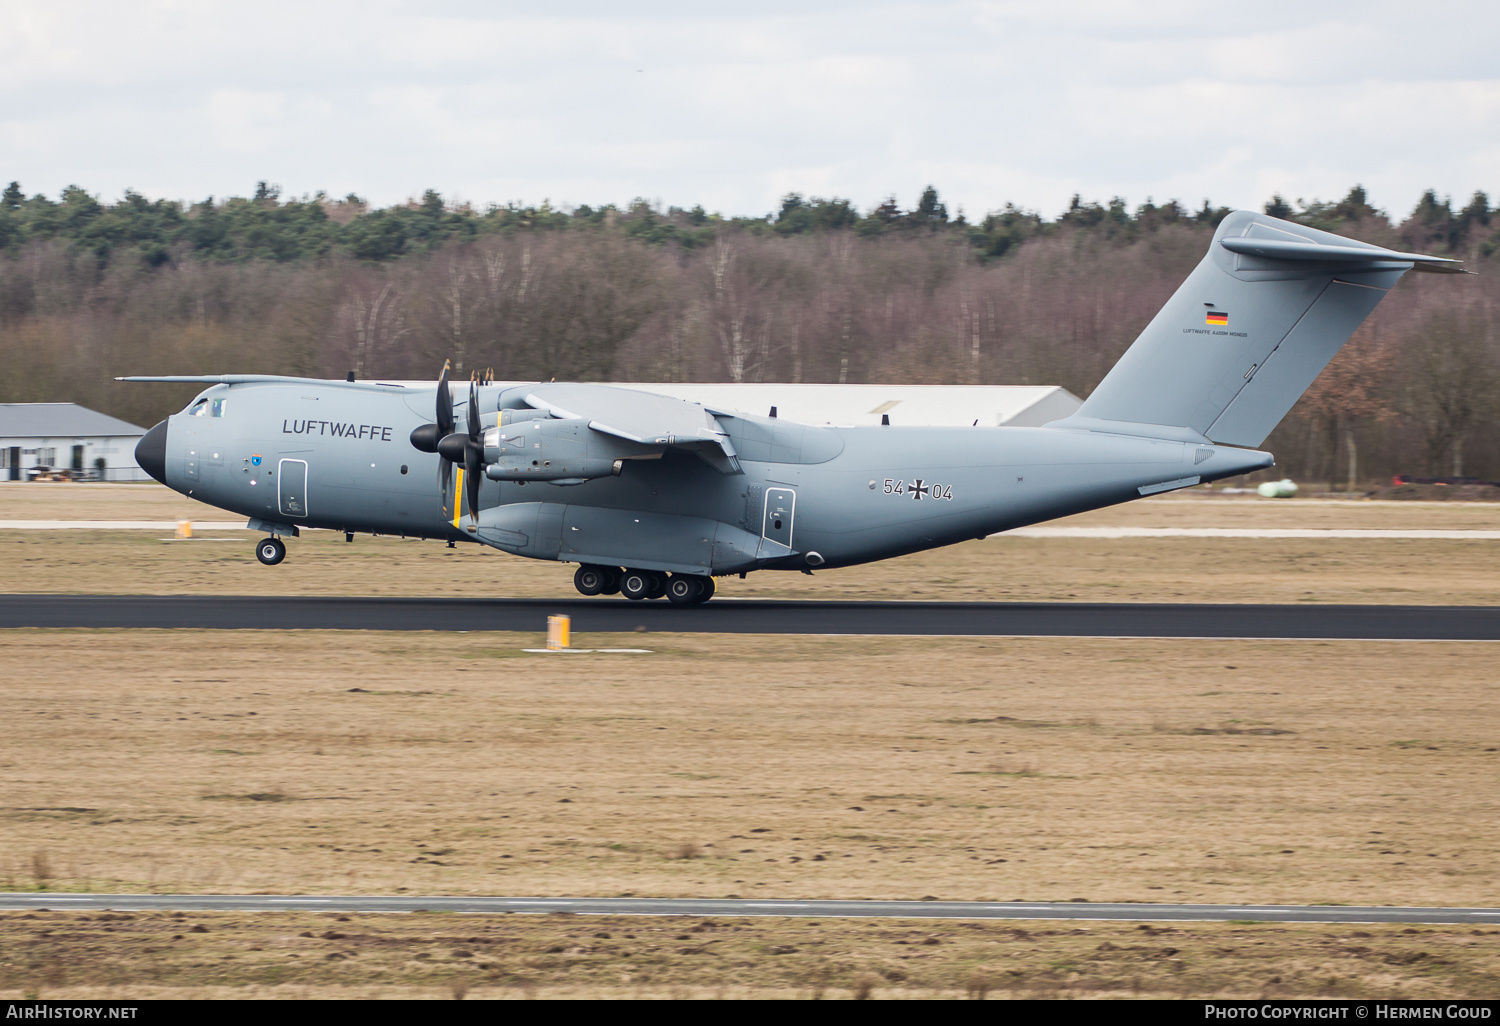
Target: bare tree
(1450,385)
(373,315)
(1352,391)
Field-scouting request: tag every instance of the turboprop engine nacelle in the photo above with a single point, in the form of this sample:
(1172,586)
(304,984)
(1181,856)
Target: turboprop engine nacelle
(555,450)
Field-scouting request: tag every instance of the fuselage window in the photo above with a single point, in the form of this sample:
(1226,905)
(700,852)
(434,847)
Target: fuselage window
(199,409)
(217,407)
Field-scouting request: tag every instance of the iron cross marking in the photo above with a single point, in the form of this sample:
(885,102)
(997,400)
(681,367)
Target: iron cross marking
(918,490)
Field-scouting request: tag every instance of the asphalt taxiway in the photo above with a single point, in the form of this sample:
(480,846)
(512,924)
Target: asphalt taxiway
(751,616)
(749,907)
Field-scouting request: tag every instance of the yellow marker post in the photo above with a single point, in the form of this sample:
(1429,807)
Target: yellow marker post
(559,633)
(184,528)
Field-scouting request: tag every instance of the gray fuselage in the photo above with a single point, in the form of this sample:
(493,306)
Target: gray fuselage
(338,456)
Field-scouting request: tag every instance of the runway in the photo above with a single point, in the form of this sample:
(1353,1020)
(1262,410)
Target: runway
(750,907)
(751,616)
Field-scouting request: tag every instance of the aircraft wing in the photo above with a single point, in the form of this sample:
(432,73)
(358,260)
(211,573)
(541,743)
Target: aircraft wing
(641,417)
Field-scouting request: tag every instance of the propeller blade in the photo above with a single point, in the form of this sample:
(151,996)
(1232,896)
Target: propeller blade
(426,437)
(472,472)
(429,437)
(444,404)
(473,454)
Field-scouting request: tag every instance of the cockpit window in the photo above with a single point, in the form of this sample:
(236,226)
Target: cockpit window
(206,407)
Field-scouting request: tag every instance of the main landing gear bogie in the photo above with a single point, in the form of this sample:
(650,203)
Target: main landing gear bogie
(596,580)
(270,551)
(641,585)
(689,590)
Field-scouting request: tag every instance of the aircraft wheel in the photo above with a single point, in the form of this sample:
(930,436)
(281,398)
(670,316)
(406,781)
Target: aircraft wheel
(611,580)
(683,590)
(271,551)
(638,584)
(706,592)
(660,587)
(590,580)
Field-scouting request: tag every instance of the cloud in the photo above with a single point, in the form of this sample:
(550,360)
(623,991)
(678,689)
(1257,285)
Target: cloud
(592,102)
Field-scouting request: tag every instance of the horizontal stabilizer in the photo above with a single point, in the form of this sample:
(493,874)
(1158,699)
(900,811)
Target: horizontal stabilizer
(1288,249)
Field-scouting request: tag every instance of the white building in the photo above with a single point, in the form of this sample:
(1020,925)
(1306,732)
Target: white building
(907,405)
(41,437)
(848,405)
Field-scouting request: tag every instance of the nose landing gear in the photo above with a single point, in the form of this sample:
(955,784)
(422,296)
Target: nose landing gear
(270,551)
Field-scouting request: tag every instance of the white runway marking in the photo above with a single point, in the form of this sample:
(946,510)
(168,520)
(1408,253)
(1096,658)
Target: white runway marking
(1024,908)
(896,909)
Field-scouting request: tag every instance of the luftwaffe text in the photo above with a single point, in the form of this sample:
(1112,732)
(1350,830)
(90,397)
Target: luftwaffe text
(374,432)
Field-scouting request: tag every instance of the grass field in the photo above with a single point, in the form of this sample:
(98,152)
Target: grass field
(1340,772)
(1452,572)
(1344,772)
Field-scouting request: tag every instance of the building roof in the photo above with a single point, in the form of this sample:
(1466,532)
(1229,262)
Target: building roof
(60,420)
(844,405)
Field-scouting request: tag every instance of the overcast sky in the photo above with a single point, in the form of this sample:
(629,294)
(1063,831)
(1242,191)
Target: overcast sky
(733,105)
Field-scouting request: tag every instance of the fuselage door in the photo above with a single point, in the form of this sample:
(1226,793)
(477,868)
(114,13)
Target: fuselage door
(780,503)
(291,486)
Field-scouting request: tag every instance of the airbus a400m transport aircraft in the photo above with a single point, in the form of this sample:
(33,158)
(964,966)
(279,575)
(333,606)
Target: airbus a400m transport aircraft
(655,496)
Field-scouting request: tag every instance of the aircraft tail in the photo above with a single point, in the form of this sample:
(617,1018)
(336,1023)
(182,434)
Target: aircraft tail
(1246,333)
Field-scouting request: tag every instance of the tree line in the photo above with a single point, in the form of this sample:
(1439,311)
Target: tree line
(815,291)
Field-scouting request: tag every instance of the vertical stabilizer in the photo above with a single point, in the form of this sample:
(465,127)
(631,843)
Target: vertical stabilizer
(1246,333)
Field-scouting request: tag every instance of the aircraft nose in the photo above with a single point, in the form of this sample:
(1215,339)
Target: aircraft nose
(151,452)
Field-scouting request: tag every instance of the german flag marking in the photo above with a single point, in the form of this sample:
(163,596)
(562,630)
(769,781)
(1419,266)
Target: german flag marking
(1214,317)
